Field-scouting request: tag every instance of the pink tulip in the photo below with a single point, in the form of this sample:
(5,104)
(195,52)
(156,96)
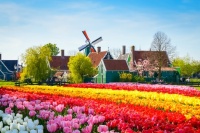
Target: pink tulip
(69,111)
(52,127)
(59,108)
(11,105)
(32,113)
(67,130)
(4,103)
(20,106)
(66,124)
(101,118)
(38,107)
(44,114)
(102,128)
(87,129)
(76,131)
(37,101)
(91,111)
(55,104)
(30,107)
(75,123)
(8,110)
(68,117)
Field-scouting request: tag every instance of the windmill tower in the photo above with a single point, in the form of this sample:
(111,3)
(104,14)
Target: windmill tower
(89,47)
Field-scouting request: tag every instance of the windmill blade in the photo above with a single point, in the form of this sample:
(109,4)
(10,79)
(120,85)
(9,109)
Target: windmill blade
(97,41)
(82,47)
(92,49)
(86,36)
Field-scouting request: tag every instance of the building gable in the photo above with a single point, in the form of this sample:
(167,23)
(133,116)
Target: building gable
(96,57)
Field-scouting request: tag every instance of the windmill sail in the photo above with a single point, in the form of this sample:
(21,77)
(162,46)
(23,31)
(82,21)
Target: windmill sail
(97,40)
(82,47)
(86,36)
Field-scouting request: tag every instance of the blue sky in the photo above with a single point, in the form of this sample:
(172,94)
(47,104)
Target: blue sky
(28,23)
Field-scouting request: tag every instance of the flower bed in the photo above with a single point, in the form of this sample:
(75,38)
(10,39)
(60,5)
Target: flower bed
(104,110)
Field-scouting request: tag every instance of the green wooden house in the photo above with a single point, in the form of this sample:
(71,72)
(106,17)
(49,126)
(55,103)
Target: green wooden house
(109,70)
(136,61)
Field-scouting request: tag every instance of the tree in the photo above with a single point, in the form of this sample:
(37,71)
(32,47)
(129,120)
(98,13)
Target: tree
(187,65)
(80,66)
(161,43)
(115,52)
(53,48)
(36,63)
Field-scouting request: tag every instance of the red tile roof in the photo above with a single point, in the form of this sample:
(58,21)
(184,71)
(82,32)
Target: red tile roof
(116,65)
(59,62)
(96,57)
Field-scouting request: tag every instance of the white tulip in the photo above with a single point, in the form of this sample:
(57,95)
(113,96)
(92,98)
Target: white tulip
(21,127)
(25,123)
(23,131)
(31,125)
(1,125)
(15,121)
(19,115)
(13,114)
(8,121)
(8,131)
(3,130)
(19,120)
(13,126)
(10,117)
(14,131)
(7,127)
(40,131)
(30,120)
(33,131)
(26,119)
(4,120)
(36,122)
(39,127)
(1,113)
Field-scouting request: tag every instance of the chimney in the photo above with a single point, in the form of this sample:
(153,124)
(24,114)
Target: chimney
(0,56)
(123,50)
(132,53)
(98,49)
(62,52)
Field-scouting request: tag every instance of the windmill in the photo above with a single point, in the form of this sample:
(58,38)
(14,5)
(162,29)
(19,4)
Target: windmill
(89,47)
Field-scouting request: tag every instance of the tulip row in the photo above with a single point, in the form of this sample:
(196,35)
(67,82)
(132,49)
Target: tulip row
(123,117)
(56,117)
(188,106)
(171,89)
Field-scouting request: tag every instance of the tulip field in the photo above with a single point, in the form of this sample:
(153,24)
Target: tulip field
(100,108)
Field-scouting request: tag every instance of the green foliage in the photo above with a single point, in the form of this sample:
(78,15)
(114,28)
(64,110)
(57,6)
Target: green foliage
(128,77)
(187,65)
(125,77)
(138,78)
(80,67)
(53,48)
(194,80)
(36,63)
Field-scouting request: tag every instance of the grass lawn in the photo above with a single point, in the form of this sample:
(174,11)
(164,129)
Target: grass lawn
(198,88)
(5,83)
